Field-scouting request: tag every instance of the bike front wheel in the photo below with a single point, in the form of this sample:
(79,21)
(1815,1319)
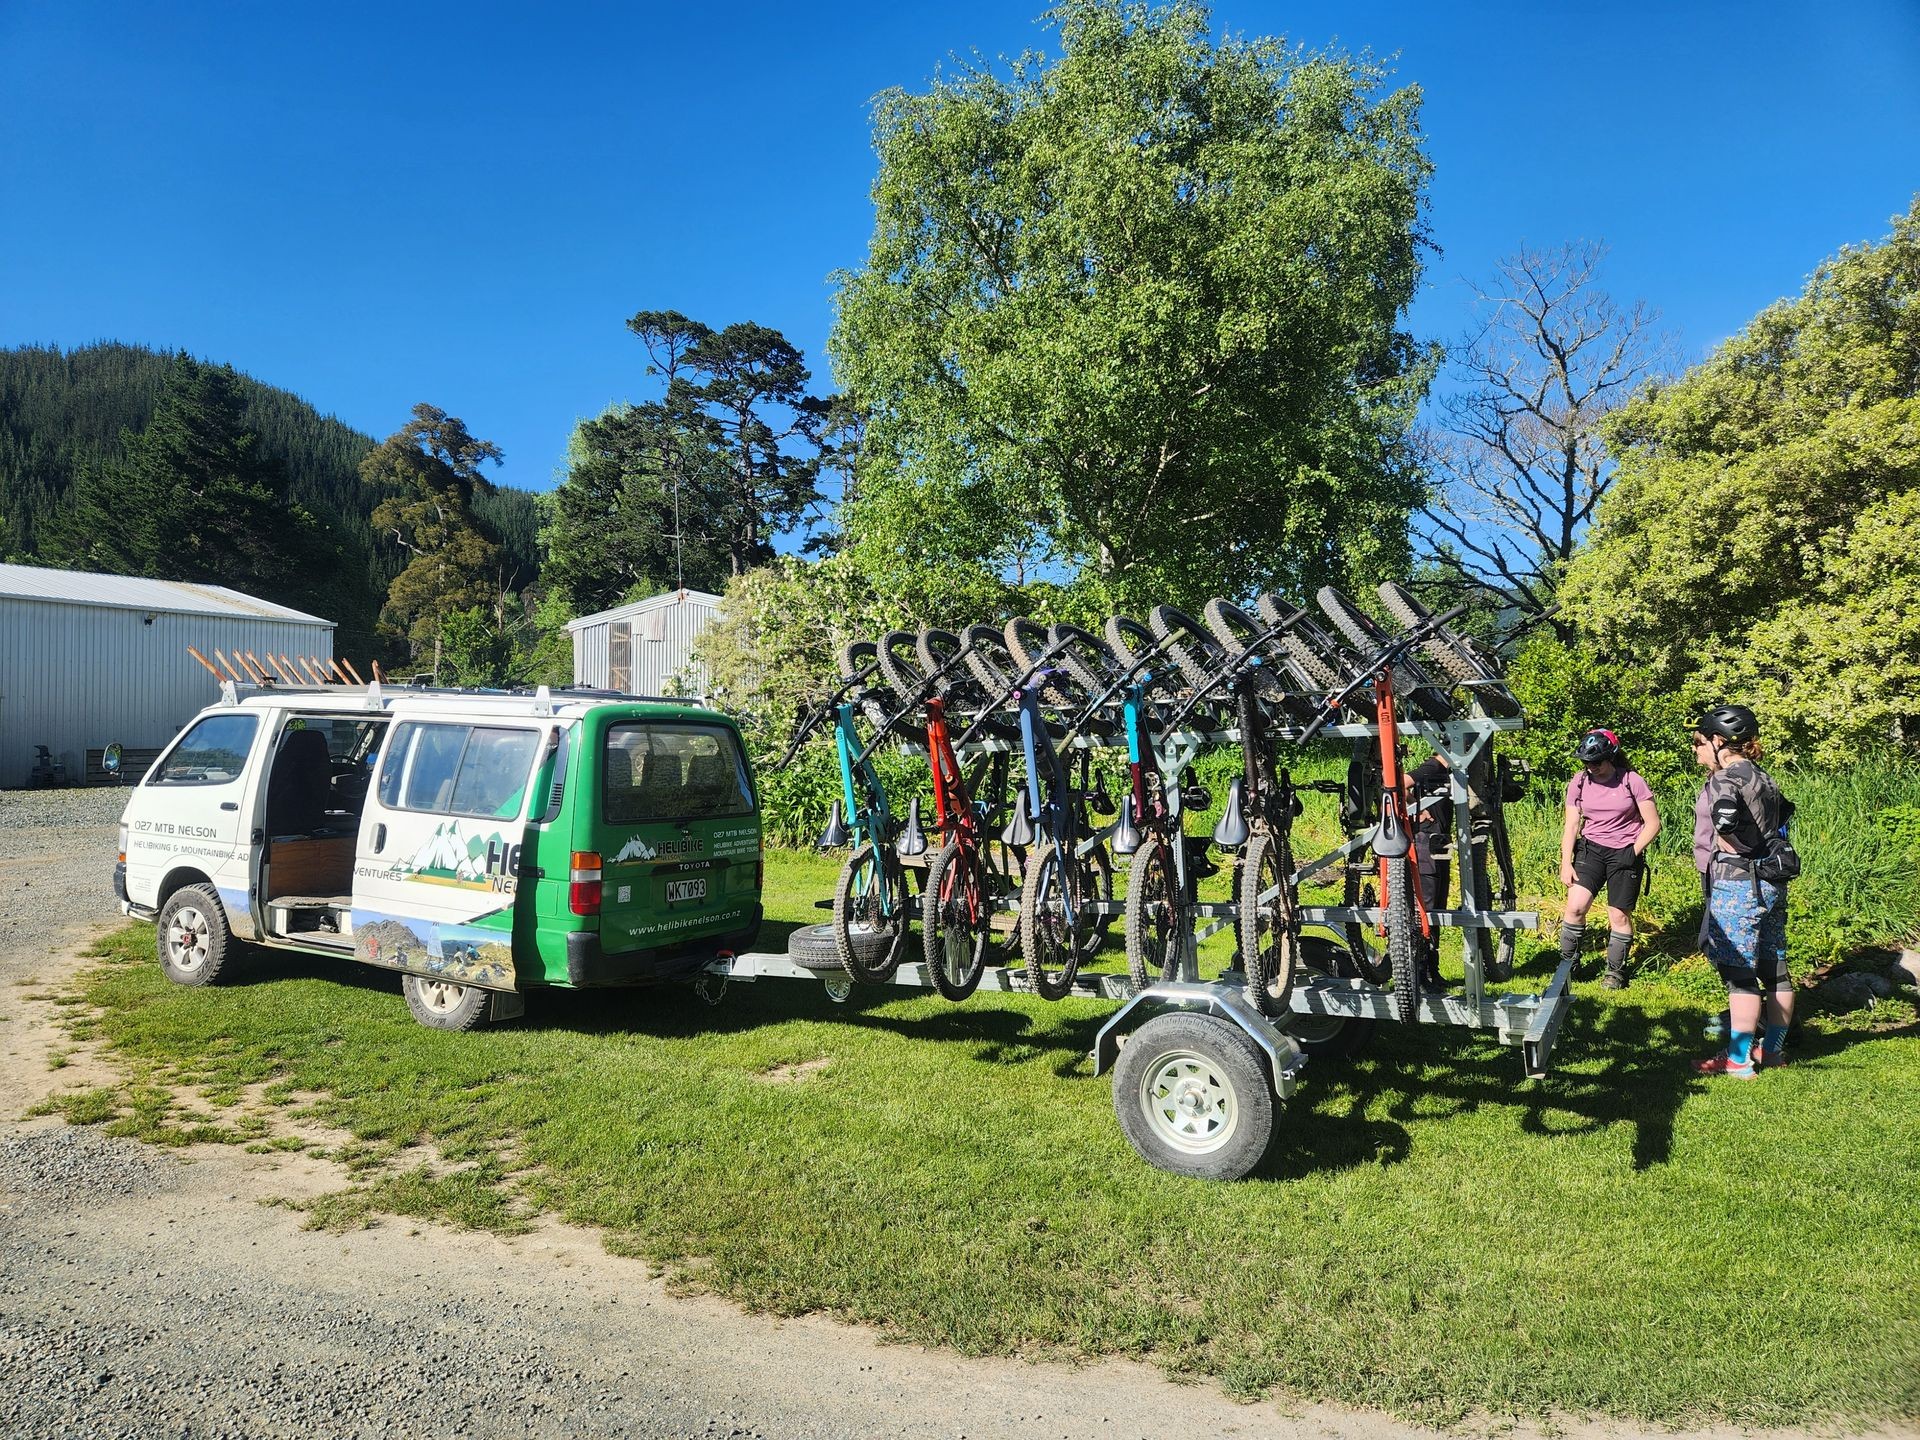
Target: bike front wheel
(1269,924)
(1154,918)
(1055,926)
(956,929)
(871,911)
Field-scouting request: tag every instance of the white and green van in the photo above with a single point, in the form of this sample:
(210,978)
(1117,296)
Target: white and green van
(482,844)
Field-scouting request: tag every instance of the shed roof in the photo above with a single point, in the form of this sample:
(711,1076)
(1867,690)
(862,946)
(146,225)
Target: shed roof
(132,592)
(641,607)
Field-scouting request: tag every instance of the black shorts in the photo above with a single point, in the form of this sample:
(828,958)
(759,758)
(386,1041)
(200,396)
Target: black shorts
(1618,872)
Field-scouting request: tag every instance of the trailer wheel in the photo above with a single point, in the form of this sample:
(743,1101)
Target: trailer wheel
(1193,1097)
(444,1004)
(192,936)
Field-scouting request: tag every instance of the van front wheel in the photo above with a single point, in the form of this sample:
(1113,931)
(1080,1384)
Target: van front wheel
(444,1004)
(192,936)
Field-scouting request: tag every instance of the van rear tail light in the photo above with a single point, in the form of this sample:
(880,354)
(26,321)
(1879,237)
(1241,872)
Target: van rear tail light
(583,883)
(123,846)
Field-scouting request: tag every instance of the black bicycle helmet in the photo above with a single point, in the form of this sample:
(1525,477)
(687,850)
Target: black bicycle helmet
(1731,722)
(1598,745)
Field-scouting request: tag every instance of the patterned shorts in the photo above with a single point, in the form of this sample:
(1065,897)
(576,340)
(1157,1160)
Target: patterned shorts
(1747,938)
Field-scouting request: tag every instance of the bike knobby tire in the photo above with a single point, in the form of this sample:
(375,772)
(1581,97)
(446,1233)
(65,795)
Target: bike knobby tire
(1051,945)
(859,916)
(956,926)
(1269,929)
(1403,938)
(1154,916)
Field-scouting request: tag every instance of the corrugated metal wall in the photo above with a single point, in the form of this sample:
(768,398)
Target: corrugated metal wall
(652,663)
(81,677)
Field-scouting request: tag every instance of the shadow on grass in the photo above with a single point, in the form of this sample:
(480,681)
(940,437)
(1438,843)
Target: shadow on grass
(1613,1065)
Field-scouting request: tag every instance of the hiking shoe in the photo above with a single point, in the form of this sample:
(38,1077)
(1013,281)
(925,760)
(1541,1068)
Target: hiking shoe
(1721,1065)
(1612,980)
(1763,1060)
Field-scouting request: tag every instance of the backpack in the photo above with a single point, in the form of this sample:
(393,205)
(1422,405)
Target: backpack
(1767,855)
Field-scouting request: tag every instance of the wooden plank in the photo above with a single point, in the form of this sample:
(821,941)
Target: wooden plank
(353,672)
(206,662)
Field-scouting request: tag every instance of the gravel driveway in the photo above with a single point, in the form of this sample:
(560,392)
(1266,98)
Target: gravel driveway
(56,871)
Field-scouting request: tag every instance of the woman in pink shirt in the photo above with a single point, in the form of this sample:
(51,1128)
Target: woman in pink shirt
(1611,820)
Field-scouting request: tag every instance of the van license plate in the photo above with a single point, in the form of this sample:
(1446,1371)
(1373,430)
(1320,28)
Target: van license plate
(678,890)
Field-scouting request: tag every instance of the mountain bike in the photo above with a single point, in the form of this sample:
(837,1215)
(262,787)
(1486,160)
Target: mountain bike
(967,881)
(1392,839)
(872,902)
(1067,881)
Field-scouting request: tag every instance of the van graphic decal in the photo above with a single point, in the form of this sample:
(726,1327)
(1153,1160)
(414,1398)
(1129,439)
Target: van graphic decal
(466,954)
(637,849)
(452,857)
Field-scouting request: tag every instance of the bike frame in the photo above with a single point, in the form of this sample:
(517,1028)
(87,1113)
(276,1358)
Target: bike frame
(872,820)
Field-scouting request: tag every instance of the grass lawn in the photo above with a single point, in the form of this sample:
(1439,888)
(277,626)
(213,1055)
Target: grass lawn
(1429,1234)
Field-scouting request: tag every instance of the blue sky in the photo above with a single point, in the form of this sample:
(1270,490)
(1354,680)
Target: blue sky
(374,205)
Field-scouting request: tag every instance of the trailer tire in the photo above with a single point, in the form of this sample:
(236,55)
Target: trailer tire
(1193,1097)
(812,947)
(192,936)
(445,1004)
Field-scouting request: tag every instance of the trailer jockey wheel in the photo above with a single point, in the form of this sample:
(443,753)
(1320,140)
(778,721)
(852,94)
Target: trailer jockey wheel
(1194,1097)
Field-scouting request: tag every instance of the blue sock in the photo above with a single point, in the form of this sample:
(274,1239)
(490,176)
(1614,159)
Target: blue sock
(1740,1049)
(1775,1043)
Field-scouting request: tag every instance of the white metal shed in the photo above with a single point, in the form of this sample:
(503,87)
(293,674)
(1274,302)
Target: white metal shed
(88,661)
(645,648)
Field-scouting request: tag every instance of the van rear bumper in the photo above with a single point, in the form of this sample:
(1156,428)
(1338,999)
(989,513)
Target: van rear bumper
(589,965)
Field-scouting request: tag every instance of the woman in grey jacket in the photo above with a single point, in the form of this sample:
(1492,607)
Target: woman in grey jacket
(1745,927)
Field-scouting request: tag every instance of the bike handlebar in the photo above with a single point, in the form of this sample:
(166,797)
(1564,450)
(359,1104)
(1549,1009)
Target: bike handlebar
(811,721)
(1379,661)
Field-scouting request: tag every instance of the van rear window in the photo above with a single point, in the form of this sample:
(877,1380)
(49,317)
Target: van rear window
(663,771)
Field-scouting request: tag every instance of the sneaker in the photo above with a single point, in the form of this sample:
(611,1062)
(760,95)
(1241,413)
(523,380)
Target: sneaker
(1721,1065)
(1763,1061)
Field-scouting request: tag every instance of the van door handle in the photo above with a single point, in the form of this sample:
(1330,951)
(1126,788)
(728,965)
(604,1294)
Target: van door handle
(229,804)
(379,838)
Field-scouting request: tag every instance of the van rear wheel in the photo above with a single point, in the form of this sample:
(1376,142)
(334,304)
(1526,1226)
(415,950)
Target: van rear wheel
(192,936)
(444,1004)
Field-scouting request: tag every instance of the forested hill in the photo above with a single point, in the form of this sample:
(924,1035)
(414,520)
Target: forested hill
(64,411)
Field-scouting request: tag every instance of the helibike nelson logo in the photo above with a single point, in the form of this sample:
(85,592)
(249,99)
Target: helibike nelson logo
(638,849)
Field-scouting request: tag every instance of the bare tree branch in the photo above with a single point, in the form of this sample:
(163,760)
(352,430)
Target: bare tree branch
(1516,449)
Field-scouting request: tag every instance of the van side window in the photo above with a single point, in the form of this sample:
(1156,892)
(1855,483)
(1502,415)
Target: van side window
(457,769)
(214,752)
(493,772)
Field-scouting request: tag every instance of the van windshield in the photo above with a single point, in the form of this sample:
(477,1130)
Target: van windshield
(668,771)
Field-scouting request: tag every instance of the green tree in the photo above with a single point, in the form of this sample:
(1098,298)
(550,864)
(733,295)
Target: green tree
(193,496)
(1758,544)
(1133,312)
(635,481)
(693,487)
(452,564)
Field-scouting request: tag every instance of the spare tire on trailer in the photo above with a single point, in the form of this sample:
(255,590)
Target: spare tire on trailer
(812,947)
